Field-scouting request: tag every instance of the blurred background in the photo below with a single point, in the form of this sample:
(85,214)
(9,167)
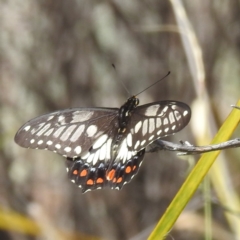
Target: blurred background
(58,54)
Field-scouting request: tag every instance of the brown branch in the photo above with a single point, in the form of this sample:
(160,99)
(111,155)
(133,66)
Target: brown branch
(185,148)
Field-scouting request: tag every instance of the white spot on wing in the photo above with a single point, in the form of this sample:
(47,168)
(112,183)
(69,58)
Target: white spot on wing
(77,133)
(165,109)
(152,111)
(159,132)
(27,128)
(123,151)
(61,119)
(59,131)
(129,139)
(36,129)
(48,133)
(58,146)
(81,116)
(158,122)
(166,129)
(151,125)
(68,132)
(145,127)
(137,144)
(103,152)
(129,155)
(165,121)
(109,143)
(177,115)
(40,142)
(96,157)
(50,117)
(91,130)
(171,118)
(100,141)
(78,150)
(151,138)
(185,113)
(32,141)
(138,126)
(49,142)
(44,129)
(143,142)
(90,158)
(67,149)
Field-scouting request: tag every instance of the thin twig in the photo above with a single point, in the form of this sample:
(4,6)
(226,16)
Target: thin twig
(186,148)
(234,106)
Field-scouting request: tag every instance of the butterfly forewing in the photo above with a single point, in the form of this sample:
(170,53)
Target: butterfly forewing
(70,132)
(156,120)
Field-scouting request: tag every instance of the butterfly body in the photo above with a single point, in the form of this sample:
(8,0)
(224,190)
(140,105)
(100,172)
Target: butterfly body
(104,147)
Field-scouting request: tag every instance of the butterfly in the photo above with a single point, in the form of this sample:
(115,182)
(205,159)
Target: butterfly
(104,147)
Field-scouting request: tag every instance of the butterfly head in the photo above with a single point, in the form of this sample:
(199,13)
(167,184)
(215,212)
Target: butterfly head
(132,102)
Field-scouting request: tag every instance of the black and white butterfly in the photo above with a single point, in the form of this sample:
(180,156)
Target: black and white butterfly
(104,147)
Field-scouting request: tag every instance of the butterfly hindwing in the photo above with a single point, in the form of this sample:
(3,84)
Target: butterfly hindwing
(89,177)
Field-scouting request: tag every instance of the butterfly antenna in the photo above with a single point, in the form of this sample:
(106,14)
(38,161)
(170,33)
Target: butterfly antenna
(124,86)
(153,84)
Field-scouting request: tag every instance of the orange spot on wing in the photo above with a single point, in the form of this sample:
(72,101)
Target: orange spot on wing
(89,182)
(114,180)
(99,180)
(119,180)
(128,169)
(134,167)
(111,174)
(75,172)
(83,173)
